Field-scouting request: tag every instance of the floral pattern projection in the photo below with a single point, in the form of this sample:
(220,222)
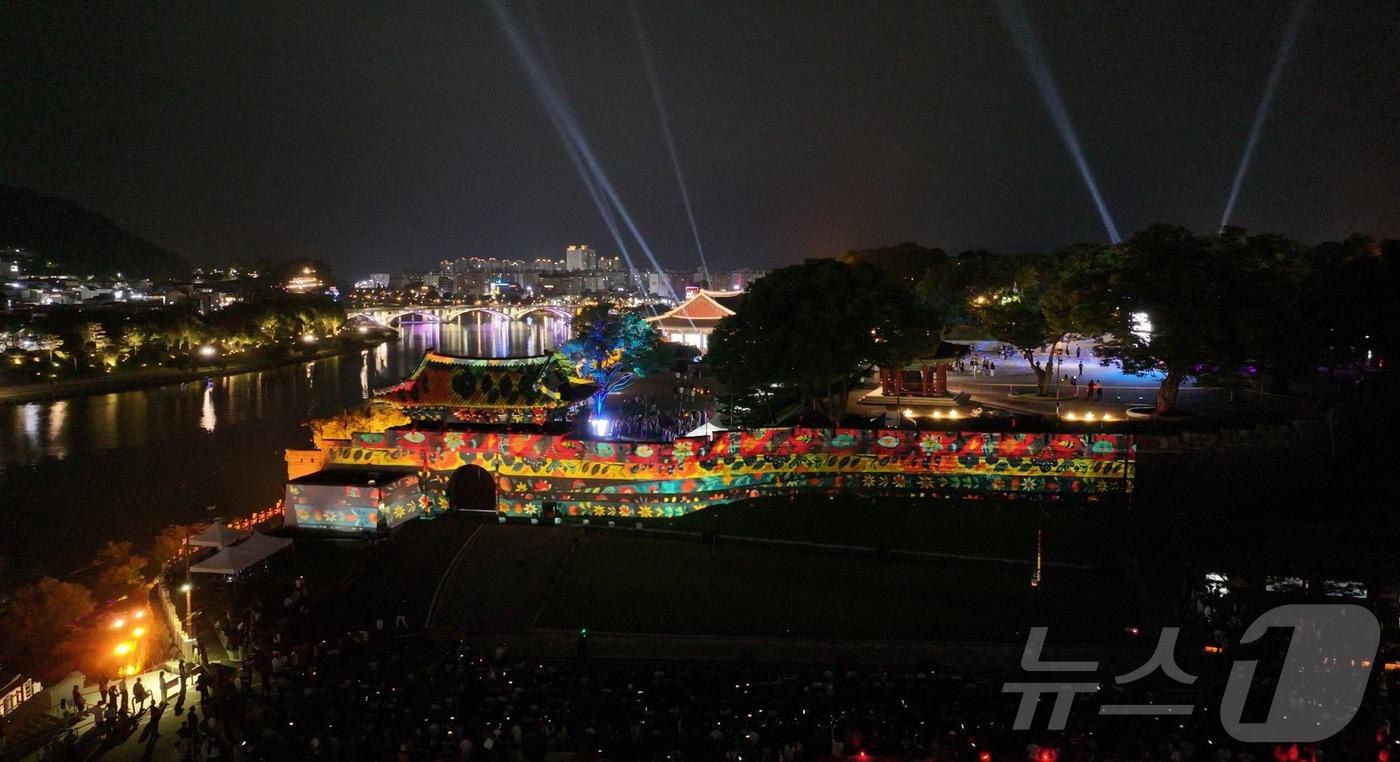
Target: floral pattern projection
(353,508)
(636,479)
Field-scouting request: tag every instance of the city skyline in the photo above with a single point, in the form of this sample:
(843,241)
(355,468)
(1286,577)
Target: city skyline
(804,132)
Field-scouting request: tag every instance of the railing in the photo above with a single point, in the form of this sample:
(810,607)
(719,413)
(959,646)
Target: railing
(253,521)
(19,690)
(184,641)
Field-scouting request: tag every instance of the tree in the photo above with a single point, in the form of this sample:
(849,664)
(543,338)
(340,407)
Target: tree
(1017,319)
(814,327)
(1193,306)
(612,348)
(119,569)
(907,262)
(1265,325)
(39,618)
(94,338)
(375,416)
(167,545)
(1351,289)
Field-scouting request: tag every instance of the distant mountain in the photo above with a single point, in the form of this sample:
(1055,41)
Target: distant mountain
(79,241)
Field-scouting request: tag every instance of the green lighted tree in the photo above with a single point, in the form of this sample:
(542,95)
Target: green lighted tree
(612,348)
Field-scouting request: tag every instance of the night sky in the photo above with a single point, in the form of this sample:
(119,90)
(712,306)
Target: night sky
(384,136)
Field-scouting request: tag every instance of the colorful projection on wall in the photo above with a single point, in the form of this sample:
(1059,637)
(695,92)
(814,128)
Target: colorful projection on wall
(354,500)
(635,479)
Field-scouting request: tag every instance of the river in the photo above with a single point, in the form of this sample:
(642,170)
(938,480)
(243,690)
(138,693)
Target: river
(76,473)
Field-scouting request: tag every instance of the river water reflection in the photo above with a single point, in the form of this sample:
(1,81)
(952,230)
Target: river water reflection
(75,473)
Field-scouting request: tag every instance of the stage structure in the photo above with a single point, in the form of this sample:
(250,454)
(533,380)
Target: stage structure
(529,470)
(354,499)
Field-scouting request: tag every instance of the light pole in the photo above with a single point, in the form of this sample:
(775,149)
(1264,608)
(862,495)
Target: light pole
(189,612)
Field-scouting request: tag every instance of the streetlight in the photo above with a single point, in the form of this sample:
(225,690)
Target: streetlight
(187,589)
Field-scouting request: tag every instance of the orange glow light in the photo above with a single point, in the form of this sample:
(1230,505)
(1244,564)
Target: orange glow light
(138,632)
(122,649)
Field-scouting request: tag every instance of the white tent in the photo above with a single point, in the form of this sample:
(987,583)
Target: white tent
(706,429)
(236,558)
(218,535)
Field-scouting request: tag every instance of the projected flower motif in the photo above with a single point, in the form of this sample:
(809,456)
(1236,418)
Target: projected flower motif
(930,444)
(453,439)
(843,441)
(681,452)
(644,451)
(1104,446)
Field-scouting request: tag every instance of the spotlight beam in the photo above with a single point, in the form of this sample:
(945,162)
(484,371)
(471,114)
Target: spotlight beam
(1018,22)
(1285,51)
(569,131)
(557,79)
(655,83)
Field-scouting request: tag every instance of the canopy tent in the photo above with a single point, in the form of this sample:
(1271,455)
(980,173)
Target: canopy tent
(706,429)
(218,535)
(237,558)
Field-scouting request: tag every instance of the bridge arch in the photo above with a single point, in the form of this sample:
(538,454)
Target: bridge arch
(558,312)
(391,316)
(454,314)
(425,316)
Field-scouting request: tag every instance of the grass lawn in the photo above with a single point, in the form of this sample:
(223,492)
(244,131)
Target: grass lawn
(1085,534)
(619,582)
(357,583)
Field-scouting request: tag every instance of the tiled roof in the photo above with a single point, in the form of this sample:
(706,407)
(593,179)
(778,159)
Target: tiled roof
(705,305)
(481,383)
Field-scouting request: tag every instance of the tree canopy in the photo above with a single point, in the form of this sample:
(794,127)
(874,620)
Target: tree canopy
(816,326)
(612,347)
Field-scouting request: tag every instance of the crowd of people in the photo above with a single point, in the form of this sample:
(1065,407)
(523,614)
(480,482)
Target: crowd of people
(644,418)
(391,693)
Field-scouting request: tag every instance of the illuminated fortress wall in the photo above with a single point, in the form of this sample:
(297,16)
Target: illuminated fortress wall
(635,479)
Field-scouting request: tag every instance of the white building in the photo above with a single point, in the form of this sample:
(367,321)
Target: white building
(695,319)
(580,257)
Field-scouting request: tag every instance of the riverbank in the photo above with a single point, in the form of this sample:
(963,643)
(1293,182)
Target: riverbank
(152,377)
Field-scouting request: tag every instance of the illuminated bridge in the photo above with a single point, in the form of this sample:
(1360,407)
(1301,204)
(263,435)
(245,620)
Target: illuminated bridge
(394,315)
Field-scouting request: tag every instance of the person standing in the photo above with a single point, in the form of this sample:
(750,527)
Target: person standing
(138,692)
(152,730)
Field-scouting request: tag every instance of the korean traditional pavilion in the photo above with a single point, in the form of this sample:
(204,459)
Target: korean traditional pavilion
(695,319)
(925,377)
(488,390)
